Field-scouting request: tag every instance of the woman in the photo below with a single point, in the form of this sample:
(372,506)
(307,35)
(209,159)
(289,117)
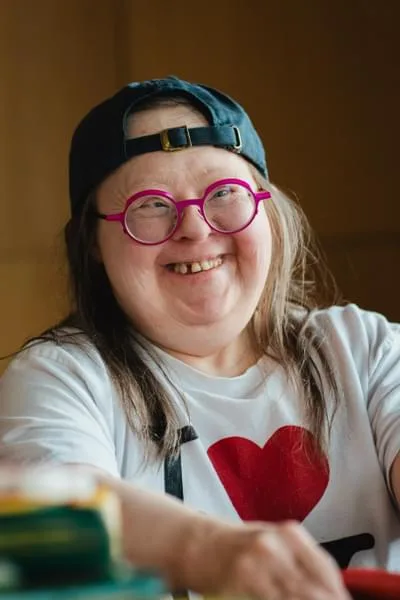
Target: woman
(199,360)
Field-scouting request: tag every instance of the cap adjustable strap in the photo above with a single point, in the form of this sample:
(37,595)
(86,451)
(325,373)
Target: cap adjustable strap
(179,138)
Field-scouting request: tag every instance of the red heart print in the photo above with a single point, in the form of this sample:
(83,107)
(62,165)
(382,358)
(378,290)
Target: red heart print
(283,480)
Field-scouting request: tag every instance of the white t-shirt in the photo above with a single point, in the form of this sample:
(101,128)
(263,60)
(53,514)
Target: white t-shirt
(251,458)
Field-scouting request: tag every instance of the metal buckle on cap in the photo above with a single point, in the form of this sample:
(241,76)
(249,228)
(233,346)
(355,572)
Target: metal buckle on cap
(239,145)
(166,144)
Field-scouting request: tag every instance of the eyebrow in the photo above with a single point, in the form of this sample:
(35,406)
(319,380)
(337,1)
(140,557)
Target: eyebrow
(213,173)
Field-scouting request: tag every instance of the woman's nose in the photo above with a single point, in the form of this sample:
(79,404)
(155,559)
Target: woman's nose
(192,225)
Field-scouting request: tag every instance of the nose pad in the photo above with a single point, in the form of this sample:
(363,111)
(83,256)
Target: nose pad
(191,211)
(190,225)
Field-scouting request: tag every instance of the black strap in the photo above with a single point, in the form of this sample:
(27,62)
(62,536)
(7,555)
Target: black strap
(173,483)
(178,138)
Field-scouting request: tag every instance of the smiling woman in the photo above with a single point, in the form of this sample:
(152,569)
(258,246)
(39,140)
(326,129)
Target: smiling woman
(200,342)
(150,293)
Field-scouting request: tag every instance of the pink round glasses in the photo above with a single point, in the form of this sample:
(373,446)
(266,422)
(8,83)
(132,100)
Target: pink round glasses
(152,216)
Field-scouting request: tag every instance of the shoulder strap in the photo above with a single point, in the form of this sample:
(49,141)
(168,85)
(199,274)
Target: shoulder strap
(173,483)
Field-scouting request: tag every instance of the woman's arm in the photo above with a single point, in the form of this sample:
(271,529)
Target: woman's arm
(207,555)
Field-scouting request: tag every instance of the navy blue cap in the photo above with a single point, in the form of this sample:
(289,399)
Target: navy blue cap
(100,143)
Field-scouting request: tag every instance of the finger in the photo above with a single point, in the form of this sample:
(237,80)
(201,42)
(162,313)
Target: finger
(273,564)
(308,591)
(280,560)
(255,580)
(318,565)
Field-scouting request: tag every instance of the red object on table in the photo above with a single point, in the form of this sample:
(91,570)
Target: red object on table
(372,584)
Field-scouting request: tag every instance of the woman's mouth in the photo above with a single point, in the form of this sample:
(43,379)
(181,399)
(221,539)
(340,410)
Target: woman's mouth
(189,268)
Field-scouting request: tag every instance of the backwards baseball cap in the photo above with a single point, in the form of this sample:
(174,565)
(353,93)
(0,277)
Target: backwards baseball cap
(101,144)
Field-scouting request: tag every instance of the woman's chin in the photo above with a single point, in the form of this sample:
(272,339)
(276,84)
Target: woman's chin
(208,316)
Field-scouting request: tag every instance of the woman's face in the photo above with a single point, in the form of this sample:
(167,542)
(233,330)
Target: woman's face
(187,313)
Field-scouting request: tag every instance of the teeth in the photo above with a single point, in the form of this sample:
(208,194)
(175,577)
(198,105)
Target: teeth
(197,267)
(205,265)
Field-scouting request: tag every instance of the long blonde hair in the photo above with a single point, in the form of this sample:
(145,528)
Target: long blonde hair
(298,282)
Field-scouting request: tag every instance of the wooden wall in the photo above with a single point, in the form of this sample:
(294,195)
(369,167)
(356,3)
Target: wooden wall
(320,79)
(56,59)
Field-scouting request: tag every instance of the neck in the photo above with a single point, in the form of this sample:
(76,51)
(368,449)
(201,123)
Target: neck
(228,361)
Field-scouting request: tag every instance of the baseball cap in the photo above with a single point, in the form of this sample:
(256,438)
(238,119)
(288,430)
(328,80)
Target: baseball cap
(100,143)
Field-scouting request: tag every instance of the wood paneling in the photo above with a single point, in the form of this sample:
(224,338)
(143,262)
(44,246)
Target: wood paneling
(366,266)
(56,59)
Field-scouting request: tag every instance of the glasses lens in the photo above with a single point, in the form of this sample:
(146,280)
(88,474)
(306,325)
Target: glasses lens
(229,207)
(151,219)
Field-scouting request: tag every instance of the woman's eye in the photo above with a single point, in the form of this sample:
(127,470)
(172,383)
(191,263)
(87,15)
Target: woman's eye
(221,193)
(149,208)
(158,204)
(153,204)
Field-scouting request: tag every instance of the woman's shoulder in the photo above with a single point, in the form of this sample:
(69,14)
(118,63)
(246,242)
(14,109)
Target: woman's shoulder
(357,328)
(56,375)
(65,350)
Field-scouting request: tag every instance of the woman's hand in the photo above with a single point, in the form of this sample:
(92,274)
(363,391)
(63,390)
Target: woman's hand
(207,555)
(271,562)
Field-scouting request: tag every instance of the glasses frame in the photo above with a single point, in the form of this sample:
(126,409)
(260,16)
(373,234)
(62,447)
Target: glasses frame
(180,206)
